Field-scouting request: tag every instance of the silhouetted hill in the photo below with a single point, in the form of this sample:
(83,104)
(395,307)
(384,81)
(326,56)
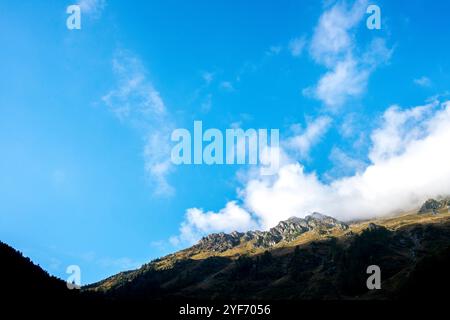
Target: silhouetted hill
(23,281)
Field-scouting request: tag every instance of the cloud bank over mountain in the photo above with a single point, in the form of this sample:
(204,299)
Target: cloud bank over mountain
(409,162)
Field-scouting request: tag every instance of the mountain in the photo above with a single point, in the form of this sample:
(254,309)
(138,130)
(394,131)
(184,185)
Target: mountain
(317,257)
(311,258)
(22,280)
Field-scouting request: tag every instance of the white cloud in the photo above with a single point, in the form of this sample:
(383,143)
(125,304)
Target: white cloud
(332,37)
(296,46)
(399,128)
(135,101)
(423,81)
(404,170)
(197,223)
(304,140)
(377,53)
(92,7)
(343,81)
(334,46)
(134,97)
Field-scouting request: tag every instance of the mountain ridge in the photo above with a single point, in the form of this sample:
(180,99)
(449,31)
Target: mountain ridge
(316,257)
(285,230)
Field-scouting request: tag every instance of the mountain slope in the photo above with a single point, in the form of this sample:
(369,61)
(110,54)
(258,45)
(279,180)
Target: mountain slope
(313,258)
(21,280)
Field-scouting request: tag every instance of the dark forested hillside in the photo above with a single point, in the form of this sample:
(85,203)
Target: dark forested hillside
(22,280)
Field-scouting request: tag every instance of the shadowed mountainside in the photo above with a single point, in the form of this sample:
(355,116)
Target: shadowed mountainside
(22,280)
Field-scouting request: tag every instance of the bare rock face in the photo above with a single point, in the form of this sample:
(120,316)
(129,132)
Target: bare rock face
(433,206)
(219,242)
(286,230)
(317,220)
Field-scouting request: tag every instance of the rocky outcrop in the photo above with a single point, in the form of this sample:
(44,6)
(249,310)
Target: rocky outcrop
(286,230)
(433,206)
(219,242)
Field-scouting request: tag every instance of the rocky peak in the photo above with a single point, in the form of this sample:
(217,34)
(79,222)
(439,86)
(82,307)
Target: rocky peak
(293,227)
(318,220)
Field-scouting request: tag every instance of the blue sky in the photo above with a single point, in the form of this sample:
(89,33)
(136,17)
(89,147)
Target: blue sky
(86,116)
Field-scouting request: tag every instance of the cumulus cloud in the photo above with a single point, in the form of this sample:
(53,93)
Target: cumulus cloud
(399,179)
(197,222)
(135,101)
(304,140)
(398,129)
(408,163)
(334,46)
